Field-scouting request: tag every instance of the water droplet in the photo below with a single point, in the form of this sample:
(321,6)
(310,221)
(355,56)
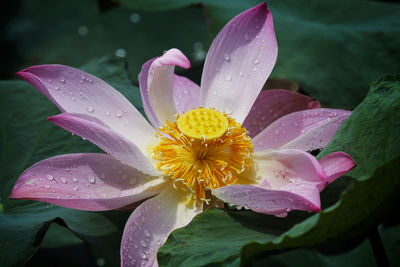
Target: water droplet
(57,88)
(119,113)
(241,73)
(254,69)
(90,109)
(256,61)
(47,186)
(91,179)
(49,177)
(62,80)
(76,188)
(228,77)
(246,36)
(108,113)
(74,179)
(227,57)
(143,243)
(63,180)
(142,255)
(146,233)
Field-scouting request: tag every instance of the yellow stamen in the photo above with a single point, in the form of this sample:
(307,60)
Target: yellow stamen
(196,157)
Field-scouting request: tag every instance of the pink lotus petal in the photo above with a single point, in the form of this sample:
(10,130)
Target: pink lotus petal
(306,130)
(107,139)
(281,167)
(149,226)
(271,105)
(186,94)
(85,182)
(335,165)
(75,91)
(239,62)
(156,82)
(269,201)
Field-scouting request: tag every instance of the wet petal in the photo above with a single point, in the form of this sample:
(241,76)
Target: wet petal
(105,138)
(269,201)
(239,62)
(306,130)
(277,168)
(157,86)
(186,94)
(86,182)
(75,91)
(271,105)
(149,226)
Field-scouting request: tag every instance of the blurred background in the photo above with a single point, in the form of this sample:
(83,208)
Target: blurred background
(330,50)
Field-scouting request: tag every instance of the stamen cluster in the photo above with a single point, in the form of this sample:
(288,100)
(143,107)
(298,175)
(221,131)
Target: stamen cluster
(197,165)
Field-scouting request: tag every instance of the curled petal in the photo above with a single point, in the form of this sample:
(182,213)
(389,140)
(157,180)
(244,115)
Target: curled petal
(105,138)
(305,130)
(149,226)
(269,201)
(271,105)
(335,165)
(239,62)
(186,94)
(75,91)
(86,182)
(156,82)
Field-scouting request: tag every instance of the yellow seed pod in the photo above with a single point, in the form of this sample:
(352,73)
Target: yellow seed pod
(203,123)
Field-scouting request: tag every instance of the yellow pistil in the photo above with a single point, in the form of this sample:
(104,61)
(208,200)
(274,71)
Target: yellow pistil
(203,149)
(203,123)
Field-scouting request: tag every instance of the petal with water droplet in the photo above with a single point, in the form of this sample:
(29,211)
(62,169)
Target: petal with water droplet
(156,82)
(111,142)
(91,184)
(96,97)
(186,93)
(271,105)
(150,224)
(305,130)
(238,40)
(269,201)
(286,166)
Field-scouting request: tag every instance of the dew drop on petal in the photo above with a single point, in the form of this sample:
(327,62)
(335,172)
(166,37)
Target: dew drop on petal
(118,113)
(63,180)
(75,179)
(143,243)
(90,109)
(228,77)
(91,179)
(49,177)
(146,233)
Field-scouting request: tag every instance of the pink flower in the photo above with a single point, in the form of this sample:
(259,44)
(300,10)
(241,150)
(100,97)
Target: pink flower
(177,163)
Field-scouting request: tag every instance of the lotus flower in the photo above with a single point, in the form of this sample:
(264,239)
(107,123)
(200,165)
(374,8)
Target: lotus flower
(222,140)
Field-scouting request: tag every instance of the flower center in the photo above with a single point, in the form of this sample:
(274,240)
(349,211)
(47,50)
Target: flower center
(202,150)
